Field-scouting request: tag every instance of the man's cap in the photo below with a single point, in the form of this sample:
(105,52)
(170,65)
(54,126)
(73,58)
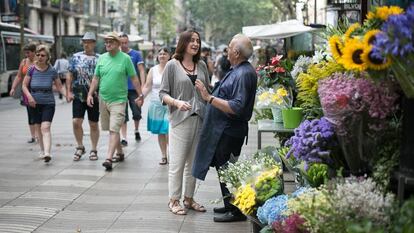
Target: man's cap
(112,36)
(89,36)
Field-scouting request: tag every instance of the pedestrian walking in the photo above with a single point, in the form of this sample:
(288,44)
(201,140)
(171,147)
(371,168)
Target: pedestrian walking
(61,66)
(225,125)
(138,62)
(223,65)
(30,54)
(157,117)
(186,109)
(38,87)
(81,68)
(111,73)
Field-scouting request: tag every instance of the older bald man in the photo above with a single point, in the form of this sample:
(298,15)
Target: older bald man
(226,120)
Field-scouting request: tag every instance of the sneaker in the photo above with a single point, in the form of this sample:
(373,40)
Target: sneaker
(137,136)
(124,142)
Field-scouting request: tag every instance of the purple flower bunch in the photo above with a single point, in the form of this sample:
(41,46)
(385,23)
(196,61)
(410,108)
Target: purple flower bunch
(312,141)
(343,95)
(396,37)
(292,224)
(272,210)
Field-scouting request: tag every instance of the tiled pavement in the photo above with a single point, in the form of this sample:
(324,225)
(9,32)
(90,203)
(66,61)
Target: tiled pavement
(67,196)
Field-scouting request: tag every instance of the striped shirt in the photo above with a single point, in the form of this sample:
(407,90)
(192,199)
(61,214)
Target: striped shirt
(41,83)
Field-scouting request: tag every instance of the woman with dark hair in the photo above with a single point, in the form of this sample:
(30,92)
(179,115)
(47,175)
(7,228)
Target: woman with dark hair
(157,117)
(37,86)
(29,52)
(186,109)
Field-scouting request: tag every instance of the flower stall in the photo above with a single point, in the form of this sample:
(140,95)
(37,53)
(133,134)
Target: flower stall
(356,98)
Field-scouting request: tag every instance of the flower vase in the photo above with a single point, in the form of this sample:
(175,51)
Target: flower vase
(404,73)
(292,117)
(277,114)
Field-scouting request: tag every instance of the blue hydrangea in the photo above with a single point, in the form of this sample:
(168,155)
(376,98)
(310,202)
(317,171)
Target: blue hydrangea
(300,191)
(272,210)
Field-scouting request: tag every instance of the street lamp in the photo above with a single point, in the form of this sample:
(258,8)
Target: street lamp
(112,12)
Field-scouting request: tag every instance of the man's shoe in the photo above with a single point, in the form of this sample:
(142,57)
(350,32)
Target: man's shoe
(124,142)
(220,210)
(230,217)
(137,136)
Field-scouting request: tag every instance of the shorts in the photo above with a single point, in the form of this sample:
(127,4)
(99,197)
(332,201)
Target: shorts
(79,108)
(136,110)
(112,115)
(42,113)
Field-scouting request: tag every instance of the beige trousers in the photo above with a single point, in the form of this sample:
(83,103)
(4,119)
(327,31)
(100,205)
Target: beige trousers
(183,140)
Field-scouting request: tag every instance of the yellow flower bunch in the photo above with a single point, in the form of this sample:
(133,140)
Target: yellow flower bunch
(307,83)
(245,199)
(273,173)
(384,12)
(353,49)
(271,98)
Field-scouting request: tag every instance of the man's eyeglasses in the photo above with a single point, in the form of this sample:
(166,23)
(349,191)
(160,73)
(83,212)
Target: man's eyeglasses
(40,55)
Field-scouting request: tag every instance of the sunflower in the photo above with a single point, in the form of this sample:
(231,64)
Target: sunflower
(351,30)
(353,51)
(374,62)
(336,45)
(369,37)
(384,12)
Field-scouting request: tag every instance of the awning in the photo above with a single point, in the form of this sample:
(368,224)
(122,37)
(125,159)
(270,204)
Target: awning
(145,45)
(275,31)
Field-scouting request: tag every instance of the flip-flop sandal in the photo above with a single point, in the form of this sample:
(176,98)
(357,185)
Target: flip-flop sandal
(118,158)
(163,161)
(80,150)
(93,155)
(47,158)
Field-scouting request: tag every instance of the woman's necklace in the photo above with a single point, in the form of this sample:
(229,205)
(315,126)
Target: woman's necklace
(191,72)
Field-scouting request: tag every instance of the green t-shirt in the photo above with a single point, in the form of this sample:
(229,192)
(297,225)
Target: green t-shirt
(113,73)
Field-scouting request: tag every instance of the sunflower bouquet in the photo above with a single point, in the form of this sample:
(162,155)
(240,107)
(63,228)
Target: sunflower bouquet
(354,48)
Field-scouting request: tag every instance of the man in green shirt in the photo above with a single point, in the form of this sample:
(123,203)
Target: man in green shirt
(111,73)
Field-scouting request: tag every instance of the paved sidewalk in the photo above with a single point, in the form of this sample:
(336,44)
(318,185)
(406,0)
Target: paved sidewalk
(67,196)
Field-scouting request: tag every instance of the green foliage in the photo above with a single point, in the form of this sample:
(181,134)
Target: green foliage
(404,219)
(317,174)
(264,113)
(365,226)
(267,189)
(223,19)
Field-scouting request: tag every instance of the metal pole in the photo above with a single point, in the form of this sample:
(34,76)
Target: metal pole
(22,19)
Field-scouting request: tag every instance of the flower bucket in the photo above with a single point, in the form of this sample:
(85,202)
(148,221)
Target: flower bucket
(404,73)
(277,115)
(292,117)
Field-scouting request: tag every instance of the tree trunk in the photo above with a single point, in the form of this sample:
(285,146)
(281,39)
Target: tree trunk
(127,28)
(21,21)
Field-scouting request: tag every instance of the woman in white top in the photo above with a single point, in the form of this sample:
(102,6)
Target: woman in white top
(157,120)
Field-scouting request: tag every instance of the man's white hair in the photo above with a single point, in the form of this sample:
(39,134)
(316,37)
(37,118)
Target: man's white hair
(243,44)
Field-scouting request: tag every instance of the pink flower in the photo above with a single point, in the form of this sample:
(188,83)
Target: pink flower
(280,70)
(276,60)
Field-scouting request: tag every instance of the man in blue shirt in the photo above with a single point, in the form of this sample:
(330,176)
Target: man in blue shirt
(226,119)
(138,62)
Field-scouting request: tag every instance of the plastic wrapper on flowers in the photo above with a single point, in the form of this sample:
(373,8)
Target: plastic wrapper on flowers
(277,72)
(357,107)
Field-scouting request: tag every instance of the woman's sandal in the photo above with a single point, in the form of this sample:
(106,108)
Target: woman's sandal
(93,155)
(80,150)
(107,164)
(192,205)
(176,208)
(163,161)
(47,158)
(118,158)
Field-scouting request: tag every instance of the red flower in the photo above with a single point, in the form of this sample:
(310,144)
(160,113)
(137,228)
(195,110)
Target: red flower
(342,100)
(259,67)
(276,60)
(280,70)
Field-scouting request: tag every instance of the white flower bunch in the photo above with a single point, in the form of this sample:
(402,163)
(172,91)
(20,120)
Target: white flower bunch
(301,66)
(362,198)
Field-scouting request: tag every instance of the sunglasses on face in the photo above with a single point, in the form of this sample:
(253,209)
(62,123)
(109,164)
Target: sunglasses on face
(109,41)
(40,55)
